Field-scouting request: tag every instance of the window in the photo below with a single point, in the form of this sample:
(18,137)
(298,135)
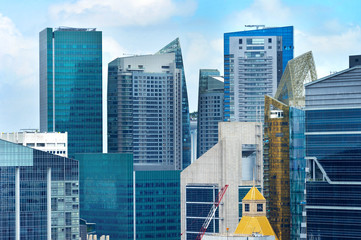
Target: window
(246,207)
(259,207)
(240,41)
(270,40)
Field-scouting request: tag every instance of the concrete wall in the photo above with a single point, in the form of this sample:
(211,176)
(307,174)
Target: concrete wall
(222,165)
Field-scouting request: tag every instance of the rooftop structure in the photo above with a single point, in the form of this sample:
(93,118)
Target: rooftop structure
(254,224)
(299,71)
(53,142)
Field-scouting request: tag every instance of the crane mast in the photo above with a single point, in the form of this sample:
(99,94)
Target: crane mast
(211,212)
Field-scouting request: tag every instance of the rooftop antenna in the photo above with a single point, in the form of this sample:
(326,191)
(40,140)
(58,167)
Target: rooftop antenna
(256,26)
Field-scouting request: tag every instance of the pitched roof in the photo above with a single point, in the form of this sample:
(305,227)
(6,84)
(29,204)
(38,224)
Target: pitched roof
(254,194)
(249,225)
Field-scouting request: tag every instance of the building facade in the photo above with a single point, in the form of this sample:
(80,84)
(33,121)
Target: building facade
(333,110)
(254,61)
(145,109)
(284,149)
(175,47)
(71,86)
(39,194)
(210,109)
(51,142)
(127,202)
(235,160)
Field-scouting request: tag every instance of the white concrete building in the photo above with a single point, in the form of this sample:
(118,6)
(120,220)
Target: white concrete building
(51,142)
(235,160)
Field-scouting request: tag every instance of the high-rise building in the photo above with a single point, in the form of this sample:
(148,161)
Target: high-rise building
(254,61)
(175,47)
(51,142)
(210,109)
(284,149)
(333,135)
(71,86)
(39,194)
(145,115)
(127,202)
(236,160)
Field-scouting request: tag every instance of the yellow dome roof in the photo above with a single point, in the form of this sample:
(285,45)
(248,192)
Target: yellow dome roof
(254,194)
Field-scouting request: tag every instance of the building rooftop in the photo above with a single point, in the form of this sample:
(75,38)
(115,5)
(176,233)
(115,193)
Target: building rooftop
(254,194)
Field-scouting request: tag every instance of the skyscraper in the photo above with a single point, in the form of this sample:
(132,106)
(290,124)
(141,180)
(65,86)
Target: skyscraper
(254,61)
(71,86)
(284,149)
(145,109)
(175,47)
(39,195)
(210,109)
(333,135)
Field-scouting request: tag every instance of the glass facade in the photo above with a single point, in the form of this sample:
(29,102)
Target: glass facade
(174,47)
(334,210)
(123,202)
(34,185)
(297,170)
(277,167)
(210,109)
(106,193)
(253,65)
(157,204)
(199,201)
(71,86)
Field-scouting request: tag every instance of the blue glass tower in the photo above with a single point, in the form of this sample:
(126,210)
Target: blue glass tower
(333,150)
(71,86)
(39,197)
(174,47)
(254,61)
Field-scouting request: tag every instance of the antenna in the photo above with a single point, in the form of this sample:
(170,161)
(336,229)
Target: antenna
(256,26)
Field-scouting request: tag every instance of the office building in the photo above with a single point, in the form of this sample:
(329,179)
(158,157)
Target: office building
(127,202)
(284,149)
(354,60)
(51,142)
(254,61)
(235,160)
(39,194)
(333,124)
(175,47)
(145,109)
(71,86)
(210,109)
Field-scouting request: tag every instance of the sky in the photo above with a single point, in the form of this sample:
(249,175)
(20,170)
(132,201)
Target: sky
(329,28)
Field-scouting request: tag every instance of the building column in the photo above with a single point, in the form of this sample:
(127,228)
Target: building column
(48,202)
(17,203)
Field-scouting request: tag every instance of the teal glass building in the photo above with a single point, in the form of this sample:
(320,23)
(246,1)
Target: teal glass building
(71,86)
(126,202)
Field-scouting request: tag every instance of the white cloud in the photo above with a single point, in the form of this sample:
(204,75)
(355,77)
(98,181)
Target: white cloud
(200,52)
(17,54)
(18,78)
(263,12)
(121,12)
(330,51)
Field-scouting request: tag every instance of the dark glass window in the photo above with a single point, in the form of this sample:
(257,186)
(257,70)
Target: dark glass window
(246,207)
(259,207)
(240,41)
